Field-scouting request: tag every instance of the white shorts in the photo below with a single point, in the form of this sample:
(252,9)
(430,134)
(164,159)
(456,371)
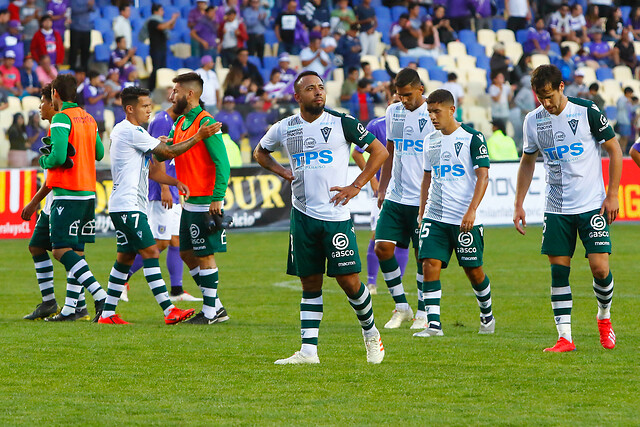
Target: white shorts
(375,213)
(164,222)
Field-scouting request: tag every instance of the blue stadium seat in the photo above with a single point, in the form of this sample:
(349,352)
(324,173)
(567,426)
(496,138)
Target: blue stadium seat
(477,50)
(110,12)
(380,76)
(467,37)
(174,63)
(103,3)
(169,11)
(95,14)
(384,26)
(135,14)
(266,75)
(626,11)
(427,62)
(102,25)
(405,60)
(142,49)
(438,74)
(555,47)
(69,71)
(376,3)
(382,12)
(611,112)
(604,73)
(270,37)
(184,10)
(483,62)
(192,62)
(521,36)
(396,11)
(144,4)
(183,3)
(255,61)
(270,62)
(102,53)
(498,24)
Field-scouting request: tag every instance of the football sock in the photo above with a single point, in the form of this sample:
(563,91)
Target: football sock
(151,269)
(483,295)
(117,280)
(82,301)
(402,258)
(561,300)
(44,274)
(393,279)
(361,303)
(209,283)
(372,263)
(432,292)
(137,265)
(79,269)
(73,293)
(310,317)
(419,279)
(175,267)
(218,305)
(96,290)
(603,288)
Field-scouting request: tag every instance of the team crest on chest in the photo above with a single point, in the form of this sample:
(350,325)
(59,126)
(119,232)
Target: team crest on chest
(458,146)
(573,124)
(325,133)
(422,123)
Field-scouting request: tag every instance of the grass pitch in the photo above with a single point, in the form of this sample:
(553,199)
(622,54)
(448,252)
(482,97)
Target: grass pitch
(149,373)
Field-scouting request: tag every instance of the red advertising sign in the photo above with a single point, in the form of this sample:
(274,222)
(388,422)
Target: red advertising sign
(629,192)
(17,187)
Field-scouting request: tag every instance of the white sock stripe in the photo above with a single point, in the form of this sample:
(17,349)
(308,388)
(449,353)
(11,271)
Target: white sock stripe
(151,271)
(565,318)
(116,287)
(419,277)
(314,301)
(47,275)
(218,304)
(86,276)
(365,309)
(210,292)
(561,304)
(118,274)
(208,271)
(48,297)
(45,285)
(489,314)
(74,288)
(420,295)
(564,290)
(392,274)
(432,309)
(483,292)
(310,315)
(81,297)
(93,288)
(156,283)
(602,290)
(484,304)
(432,295)
(194,272)
(310,332)
(70,275)
(396,290)
(43,264)
(78,266)
(362,298)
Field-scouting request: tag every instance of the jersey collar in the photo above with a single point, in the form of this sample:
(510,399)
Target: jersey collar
(66,105)
(192,114)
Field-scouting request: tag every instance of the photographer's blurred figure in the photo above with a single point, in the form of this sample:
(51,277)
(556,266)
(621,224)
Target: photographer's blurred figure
(501,146)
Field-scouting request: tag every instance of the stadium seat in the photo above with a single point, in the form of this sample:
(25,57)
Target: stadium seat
(192,62)
(483,62)
(141,67)
(405,60)
(438,74)
(333,93)
(222,74)
(432,85)
(15,106)
(30,103)
(270,62)
(538,59)
(611,91)
(255,61)
(427,62)
(604,73)
(522,35)
(589,75)
(96,39)
(142,49)
(110,13)
(372,60)
(270,37)
(393,62)
(626,11)
(467,37)
(476,76)
(295,62)
(633,84)
(476,114)
(622,73)
(475,90)
(164,77)
(338,75)
(555,48)
(446,62)
(486,38)
(513,50)
(396,11)
(575,47)
(612,113)
(455,49)
(183,71)
(109,120)
(476,50)
(466,62)
(174,63)
(382,12)
(381,76)
(102,25)
(102,53)
(505,36)
(424,75)
(498,24)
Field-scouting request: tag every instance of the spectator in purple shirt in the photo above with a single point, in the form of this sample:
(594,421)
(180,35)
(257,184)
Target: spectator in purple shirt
(94,95)
(600,54)
(634,22)
(459,13)
(57,9)
(287,75)
(196,13)
(121,57)
(483,14)
(13,40)
(204,33)
(538,39)
(232,118)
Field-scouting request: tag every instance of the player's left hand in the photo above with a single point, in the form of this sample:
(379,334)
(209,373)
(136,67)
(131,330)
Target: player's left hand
(165,139)
(183,189)
(611,207)
(165,196)
(28,210)
(344,195)
(215,208)
(467,221)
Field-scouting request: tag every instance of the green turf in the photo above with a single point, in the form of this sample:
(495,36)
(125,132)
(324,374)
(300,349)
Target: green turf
(149,373)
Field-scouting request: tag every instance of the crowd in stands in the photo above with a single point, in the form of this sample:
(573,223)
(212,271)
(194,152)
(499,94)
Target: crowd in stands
(248,53)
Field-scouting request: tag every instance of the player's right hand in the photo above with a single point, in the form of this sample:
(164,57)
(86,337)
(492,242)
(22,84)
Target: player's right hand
(209,130)
(166,198)
(28,210)
(288,175)
(381,194)
(183,189)
(518,217)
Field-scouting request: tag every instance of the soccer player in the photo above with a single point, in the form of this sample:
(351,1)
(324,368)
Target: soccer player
(569,132)
(164,214)
(318,141)
(205,169)
(131,149)
(41,243)
(75,146)
(378,128)
(456,175)
(399,193)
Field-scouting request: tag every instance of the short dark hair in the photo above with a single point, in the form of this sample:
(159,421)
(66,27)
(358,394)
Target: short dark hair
(155,7)
(351,70)
(564,50)
(364,64)
(452,76)
(302,75)
(130,95)
(495,73)
(93,74)
(209,8)
(119,38)
(363,83)
(544,75)
(189,78)
(628,89)
(408,76)
(241,49)
(123,6)
(594,86)
(440,96)
(273,72)
(44,18)
(66,86)
(46,92)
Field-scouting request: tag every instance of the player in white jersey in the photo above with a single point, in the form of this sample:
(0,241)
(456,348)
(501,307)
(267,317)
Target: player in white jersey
(131,149)
(318,143)
(41,243)
(399,192)
(456,175)
(569,132)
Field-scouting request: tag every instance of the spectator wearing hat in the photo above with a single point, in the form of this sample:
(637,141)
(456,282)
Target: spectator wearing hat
(577,89)
(5,17)
(313,58)
(287,74)
(47,41)
(12,40)
(30,15)
(538,39)
(211,88)
(121,56)
(59,12)
(368,23)
(46,71)
(501,147)
(205,32)
(29,78)
(256,18)
(344,15)
(122,24)
(350,48)
(600,54)
(232,118)
(10,75)
(285,29)
(361,103)
(233,35)
(81,26)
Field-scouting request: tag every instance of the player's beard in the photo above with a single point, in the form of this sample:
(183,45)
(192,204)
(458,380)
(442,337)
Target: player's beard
(180,106)
(315,110)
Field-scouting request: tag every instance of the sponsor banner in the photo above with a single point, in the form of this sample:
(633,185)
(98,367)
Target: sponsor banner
(629,191)
(17,187)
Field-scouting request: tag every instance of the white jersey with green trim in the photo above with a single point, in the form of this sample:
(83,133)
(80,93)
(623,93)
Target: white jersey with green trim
(452,160)
(130,152)
(570,146)
(319,157)
(406,130)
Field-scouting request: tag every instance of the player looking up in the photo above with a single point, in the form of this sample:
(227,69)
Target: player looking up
(456,175)
(569,133)
(317,141)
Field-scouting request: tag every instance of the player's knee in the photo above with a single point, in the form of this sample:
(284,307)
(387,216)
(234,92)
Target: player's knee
(58,253)
(150,252)
(383,250)
(36,251)
(600,271)
(475,275)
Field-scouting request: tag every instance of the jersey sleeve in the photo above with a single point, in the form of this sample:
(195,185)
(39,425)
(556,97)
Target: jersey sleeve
(355,132)
(529,137)
(599,125)
(218,152)
(426,163)
(99,147)
(479,152)
(272,139)
(60,131)
(142,140)
(387,123)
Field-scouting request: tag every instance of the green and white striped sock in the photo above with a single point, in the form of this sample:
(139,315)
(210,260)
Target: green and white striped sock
(154,278)
(209,283)
(117,284)
(310,317)
(432,292)
(603,288)
(393,279)
(419,279)
(561,299)
(78,267)
(483,296)
(44,274)
(361,304)
(73,294)
(82,301)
